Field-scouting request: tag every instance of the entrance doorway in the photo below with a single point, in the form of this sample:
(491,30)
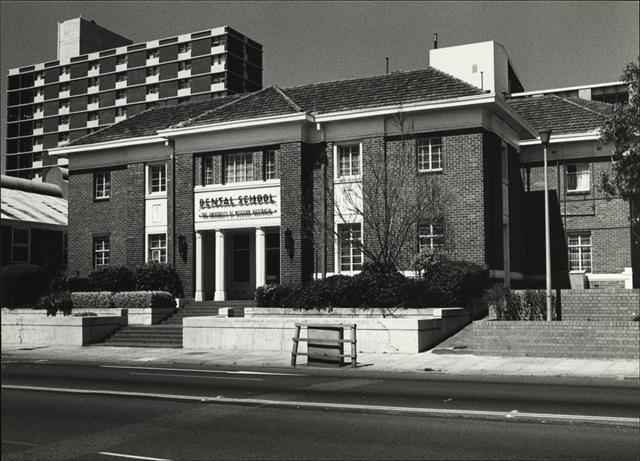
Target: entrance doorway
(242,270)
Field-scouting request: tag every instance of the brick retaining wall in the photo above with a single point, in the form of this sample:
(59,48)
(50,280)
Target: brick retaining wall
(572,339)
(602,304)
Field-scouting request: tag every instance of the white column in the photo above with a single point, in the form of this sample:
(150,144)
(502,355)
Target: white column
(261,267)
(199,295)
(220,294)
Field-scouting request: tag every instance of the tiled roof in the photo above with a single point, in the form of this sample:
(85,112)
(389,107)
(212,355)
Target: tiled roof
(562,115)
(378,91)
(147,123)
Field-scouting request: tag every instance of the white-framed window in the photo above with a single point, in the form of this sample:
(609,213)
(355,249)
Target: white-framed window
(158,248)
(429,154)
(209,173)
(349,242)
(270,165)
(430,236)
(102,181)
(578,177)
(20,244)
(101,252)
(348,160)
(579,244)
(157,179)
(238,167)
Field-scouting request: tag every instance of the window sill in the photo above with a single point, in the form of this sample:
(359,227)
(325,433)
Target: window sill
(579,192)
(101,199)
(156,195)
(345,179)
(436,171)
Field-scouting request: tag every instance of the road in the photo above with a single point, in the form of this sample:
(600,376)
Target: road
(62,411)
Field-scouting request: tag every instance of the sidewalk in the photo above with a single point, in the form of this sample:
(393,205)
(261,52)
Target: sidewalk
(455,364)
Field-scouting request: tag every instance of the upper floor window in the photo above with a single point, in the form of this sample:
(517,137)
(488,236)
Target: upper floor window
(238,167)
(121,94)
(39,75)
(101,252)
(157,182)
(64,70)
(429,154)
(64,87)
(152,89)
(63,120)
(349,242)
(270,171)
(184,84)
(94,65)
(152,54)
(63,138)
(430,237)
(218,41)
(158,248)
(37,124)
(93,99)
(184,65)
(121,77)
(121,111)
(218,78)
(92,116)
(209,171)
(184,47)
(94,81)
(122,59)
(20,243)
(63,104)
(578,177)
(580,251)
(102,181)
(151,71)
(349,160)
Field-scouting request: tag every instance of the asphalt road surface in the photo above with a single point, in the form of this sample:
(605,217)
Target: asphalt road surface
(154,412)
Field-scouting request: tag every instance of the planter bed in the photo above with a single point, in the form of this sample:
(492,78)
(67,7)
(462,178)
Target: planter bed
(273,333)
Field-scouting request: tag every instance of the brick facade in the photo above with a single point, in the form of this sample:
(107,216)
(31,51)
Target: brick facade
(181,205)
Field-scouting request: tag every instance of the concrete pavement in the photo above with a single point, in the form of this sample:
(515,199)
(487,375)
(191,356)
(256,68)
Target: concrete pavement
(462,364)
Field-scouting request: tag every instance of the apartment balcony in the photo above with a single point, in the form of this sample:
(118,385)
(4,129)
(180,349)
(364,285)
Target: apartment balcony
(38,114)
(64,94)
(93,106)
(121,84)
(152,97)
(121,67)
(184,92)
(93,72)
(63,110)
(153,61)
(153,78)
(38,98)
(184,73)
(39,82)
(64,127)
(218,86)
(37,131)
(185,55)
(120,118)
(93,123)
(121,101)
(221,67)
(93,89)
(37,147)
(64,77)
(218,49)
(36,164)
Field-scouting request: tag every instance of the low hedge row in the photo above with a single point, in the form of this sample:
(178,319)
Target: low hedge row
(123,300)
(527,305)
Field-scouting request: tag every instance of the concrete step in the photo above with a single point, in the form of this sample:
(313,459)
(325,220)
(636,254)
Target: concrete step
(143,344)
(156,334)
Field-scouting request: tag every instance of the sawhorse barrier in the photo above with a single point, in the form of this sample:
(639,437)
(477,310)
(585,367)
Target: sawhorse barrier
(323,341)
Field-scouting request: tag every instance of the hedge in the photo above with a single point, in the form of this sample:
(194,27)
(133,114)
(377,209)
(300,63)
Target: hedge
(143,299)
(115,278)
(92,300)
(158,277)
(22,285)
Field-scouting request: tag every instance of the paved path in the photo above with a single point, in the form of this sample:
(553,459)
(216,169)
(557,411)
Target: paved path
(463,364)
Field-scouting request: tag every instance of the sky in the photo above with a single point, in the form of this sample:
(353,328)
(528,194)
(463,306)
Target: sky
(551,44)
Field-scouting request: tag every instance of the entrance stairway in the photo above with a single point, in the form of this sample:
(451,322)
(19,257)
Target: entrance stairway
(168,333)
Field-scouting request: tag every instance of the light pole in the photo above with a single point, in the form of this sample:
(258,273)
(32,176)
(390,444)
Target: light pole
(545,135)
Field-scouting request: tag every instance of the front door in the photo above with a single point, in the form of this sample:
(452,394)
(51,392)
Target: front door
(241,267)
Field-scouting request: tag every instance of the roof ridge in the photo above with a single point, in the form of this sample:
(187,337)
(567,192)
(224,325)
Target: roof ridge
(357,78)
(110,126)
(588,109)
(233,101)
(286,97)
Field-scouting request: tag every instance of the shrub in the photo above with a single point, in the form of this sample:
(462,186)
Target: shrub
(143,299)
(64,283)
(158,277)
(510,305)
(92,300)
(56,301)
(22,285)
(453,283)
(273,295)
(112,279)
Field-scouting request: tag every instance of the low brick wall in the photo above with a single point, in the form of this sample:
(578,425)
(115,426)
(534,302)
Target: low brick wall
(569,339)
(601,304)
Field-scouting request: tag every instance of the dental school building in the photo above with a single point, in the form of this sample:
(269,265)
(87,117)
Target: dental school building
(230,190)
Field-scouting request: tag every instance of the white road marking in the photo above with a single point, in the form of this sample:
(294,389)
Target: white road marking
(122,455)
(196,376)
(203,371)
(343,406)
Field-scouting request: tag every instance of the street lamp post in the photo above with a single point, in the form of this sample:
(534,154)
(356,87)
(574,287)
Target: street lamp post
(545,135)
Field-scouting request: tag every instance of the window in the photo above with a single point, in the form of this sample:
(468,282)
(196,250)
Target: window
(94,65)
(241,261)
(39,92)
(121,77)
(151,71)
(64,70)
(218,59)
(580,251)
(64,120)
(39,75)
(238,167)
(38,140)
(152,89)
(101,250)
(121,111)
(430,237)
(218,78)
(121,94)
(20,240)
(93,99)
(121,60)
(270,165)
(102,181)
(349,242)
(218,41)
(578,177)
(184,47)
(158,248)
(63,138)
(64,87)
(184,65)
(157,178)
(64,104)
(94,81)
(429,154)
(349,160)
(37,124)
(153,54)
(209,175)
(184,84)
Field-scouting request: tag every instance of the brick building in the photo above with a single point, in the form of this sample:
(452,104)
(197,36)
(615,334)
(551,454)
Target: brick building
(265,187)
(100,77)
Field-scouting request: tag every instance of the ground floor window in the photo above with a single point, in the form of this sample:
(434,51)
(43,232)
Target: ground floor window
(158,248)
(273,257)
(101,252)
(349,236)
(580,251)
(20,245)
(430,237)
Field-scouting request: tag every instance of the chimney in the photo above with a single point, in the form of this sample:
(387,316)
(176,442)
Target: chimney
(435,41)
(387,61)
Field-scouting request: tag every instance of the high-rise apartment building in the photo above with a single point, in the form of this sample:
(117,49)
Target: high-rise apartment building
(100,78)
